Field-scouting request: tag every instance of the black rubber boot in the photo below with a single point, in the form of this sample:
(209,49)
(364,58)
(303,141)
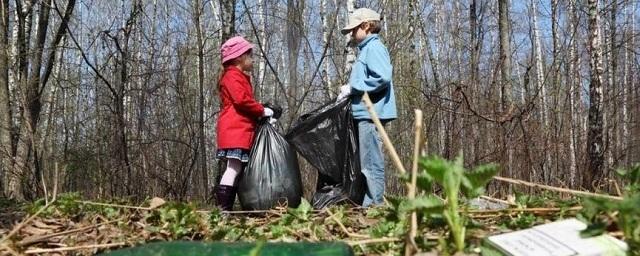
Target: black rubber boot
(225,197)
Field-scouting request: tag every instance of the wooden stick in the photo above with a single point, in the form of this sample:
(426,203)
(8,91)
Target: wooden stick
(575,208)
(32,240)
(385,138)
(563,190)
(496,200)
(344,229)
(411,247)
(115,205)
(9,249)
(21,225)
(373,241)
(74,248)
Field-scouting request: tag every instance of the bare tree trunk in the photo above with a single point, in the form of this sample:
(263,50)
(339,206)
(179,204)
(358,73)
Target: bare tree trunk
(475,72)
(6,125)
(294,34)
(595,171)
(610,92)
(349,49)
(540,84)
(573,84)
(200,180)
(228,18)
(325,41)
(505,70)
(262,67)
(505,53)
(627,84)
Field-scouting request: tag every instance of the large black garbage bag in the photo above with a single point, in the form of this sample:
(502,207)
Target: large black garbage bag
(272,176)
(327,138)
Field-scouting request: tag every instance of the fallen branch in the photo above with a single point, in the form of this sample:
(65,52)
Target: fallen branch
(32,240)
(116,205)
(563,190)
(510,210)
(496,200)
(344,229)
(374,241)
(74,248)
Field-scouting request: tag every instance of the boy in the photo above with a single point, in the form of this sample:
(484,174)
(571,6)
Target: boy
(371,73)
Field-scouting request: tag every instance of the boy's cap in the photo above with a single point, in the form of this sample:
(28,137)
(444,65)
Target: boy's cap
(234,47)
(358,16)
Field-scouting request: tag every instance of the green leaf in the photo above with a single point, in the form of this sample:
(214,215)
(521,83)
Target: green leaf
(436,167)
(303,210)
(427,204)
(473,183)
(595,229)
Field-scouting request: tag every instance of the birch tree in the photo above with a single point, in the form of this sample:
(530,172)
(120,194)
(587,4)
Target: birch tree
(541,87)
(595,151)
(35,67)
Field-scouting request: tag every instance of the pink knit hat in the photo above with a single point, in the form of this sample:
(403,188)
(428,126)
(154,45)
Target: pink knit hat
(234,47)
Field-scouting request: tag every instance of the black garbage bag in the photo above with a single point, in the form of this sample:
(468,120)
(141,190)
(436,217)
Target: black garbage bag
(272,176)
(327,138)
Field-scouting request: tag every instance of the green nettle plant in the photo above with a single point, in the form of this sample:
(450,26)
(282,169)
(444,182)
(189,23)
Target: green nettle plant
(179,219)
(455,181)
(602,214)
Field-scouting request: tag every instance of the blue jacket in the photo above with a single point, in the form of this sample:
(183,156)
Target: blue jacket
(372,73)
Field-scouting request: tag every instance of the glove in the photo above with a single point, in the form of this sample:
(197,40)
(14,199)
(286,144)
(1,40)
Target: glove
(277,110)
(345,91)
(267,112)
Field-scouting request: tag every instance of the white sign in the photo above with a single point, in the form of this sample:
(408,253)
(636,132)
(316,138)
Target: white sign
(560,238)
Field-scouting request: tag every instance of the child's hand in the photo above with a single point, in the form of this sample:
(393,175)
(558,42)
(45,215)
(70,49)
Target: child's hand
(267,112)
(277,110)
(345,91)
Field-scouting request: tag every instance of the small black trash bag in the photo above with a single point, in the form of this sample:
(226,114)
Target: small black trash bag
(327,138)
(272,176)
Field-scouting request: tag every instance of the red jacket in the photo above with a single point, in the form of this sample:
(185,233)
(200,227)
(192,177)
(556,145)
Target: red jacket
(240,111)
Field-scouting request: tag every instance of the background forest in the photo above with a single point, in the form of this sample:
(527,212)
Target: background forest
(119,97)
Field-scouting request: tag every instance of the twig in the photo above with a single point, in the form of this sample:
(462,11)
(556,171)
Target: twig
(411,247)
(508,210)
(496,200)
(563,190)
(374,241)
(11,251)
(82,247)
(32,240)
(383,134)
(344,229)
(55,182)
(17,228)
(116,205)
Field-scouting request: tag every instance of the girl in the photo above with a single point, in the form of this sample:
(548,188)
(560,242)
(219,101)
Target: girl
(371,73)
(238,118)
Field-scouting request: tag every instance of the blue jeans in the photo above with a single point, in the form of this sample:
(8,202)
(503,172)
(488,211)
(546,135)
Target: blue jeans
(371,162)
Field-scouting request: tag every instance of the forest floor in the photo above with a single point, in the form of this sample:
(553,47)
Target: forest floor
(72,226)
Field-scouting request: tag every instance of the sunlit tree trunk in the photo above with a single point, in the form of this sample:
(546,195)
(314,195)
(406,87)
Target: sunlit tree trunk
(541,86)
(595,170)
(574,89)
(228,18)
(349,50)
